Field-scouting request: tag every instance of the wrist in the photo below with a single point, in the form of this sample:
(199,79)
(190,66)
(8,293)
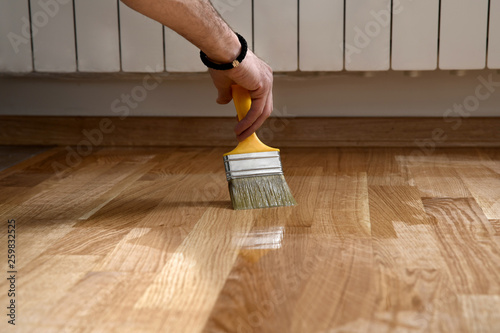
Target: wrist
(228,51)
(232,62)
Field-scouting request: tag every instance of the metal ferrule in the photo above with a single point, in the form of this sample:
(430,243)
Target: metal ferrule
(252,165)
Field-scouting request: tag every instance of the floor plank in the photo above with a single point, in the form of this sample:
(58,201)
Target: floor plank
(143,239)
(484,185)
(342,208)
(12,155)
(193,277)
(465,239)
(394,204)
(434,176)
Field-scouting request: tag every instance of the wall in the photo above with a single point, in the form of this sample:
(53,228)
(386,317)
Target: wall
(345,94)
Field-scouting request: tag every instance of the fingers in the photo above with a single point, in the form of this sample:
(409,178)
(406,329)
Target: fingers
(253,114)
(223,85)
(257,77)
(225,95)
(266,112)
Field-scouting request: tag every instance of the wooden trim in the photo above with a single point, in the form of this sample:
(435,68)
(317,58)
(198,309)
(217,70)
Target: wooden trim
(280,132)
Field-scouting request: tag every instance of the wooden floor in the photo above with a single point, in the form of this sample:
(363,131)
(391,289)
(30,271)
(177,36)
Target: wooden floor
(144,240)
(11,155)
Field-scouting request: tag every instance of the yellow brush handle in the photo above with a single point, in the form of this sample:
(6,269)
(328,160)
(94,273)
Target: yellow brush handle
(252,144)
(242,100)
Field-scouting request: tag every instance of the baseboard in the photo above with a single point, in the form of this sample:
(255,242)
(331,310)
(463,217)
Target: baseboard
(280,132)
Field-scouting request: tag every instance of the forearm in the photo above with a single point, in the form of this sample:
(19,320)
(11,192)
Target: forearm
(198,22)
(195,20)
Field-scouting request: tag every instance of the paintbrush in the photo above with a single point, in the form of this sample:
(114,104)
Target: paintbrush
(253,170)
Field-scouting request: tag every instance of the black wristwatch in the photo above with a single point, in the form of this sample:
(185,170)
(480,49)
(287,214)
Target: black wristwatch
(231,65)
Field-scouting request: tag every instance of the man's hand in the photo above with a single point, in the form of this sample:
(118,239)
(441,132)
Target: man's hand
(199,23)
(256,76)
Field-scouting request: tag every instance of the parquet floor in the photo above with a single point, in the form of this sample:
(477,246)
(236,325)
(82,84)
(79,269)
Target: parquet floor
(11,155)
(144,240)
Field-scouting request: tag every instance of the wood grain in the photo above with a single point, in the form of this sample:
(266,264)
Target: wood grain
(476,268)
(387,203)
(414,132)
(424,170)
(143,239)
(12,155)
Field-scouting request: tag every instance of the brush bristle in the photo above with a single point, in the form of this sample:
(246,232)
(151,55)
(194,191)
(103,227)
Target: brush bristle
(260,192)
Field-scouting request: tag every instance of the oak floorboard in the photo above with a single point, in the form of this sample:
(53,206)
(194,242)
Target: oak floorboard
(53,231)
(148,246)
(304,184)
(412,283)
(12,155)
(276,262)
(34,160)
(485,320)
(407,262)
(129,208)
(492,154)
(464,236)
(279,241)
(426,170)
(187,161)
(304,158)
(349,160)
(94,314)
(383,167)
(143,250)
(47,202)
(496,227)
(85,296)
(45,281)
(484,185)
(51,193)
(75,204)
(343,208)
(394,204)
(118,185)
(332,160)
(193,277)
(87,241)
(338,285)
(33,171)
(143,239)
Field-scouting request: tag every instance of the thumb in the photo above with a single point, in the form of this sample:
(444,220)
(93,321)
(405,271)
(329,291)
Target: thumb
(225,95)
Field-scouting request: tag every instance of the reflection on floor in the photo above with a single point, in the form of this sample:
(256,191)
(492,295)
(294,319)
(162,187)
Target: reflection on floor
(144,240)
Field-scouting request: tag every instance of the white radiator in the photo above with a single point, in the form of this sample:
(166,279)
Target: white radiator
(307,35)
